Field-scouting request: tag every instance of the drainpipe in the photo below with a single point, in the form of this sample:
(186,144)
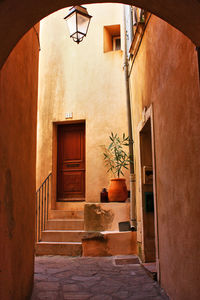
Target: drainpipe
(130,132)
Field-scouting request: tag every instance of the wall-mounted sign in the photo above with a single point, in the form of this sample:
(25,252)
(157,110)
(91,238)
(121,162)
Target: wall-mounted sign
(69,115)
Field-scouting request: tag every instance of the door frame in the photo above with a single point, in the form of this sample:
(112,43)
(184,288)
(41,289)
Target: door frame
(55,153)
(147,115)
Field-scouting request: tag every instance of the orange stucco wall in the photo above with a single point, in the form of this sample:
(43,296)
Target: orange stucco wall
(18,106)
(165,73)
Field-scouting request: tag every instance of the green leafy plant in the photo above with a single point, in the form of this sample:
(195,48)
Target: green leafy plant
(115,156)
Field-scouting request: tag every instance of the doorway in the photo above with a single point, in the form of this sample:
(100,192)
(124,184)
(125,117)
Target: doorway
(71,162)
(147,190)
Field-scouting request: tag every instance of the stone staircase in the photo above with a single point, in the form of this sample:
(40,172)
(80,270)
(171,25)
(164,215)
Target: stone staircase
(62,235)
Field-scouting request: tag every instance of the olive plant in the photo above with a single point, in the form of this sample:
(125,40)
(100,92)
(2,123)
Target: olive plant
(115,157)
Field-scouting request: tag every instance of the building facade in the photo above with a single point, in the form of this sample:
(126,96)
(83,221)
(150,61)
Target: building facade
(80,85)
(164,87)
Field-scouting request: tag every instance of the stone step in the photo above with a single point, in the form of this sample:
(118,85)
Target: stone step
(107,243)
(59,248)
(64,214)
(62,235)
(70,206)
(65,224)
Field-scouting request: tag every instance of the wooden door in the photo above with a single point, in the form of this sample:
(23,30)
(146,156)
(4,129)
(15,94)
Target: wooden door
(71,162)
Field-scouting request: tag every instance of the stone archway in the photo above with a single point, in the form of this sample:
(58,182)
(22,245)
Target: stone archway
(17,17)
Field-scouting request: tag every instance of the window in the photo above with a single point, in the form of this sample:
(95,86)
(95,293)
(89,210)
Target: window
(112,38)
(116,43)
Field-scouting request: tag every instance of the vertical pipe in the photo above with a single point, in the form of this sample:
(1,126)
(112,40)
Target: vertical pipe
(130,132)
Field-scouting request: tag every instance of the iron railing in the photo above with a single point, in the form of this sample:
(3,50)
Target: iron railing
(43,194)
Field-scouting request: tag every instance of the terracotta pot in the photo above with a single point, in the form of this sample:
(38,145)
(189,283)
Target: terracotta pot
(117,191)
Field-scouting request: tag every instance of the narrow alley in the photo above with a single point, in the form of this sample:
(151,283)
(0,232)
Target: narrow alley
(99,150)
(96,278)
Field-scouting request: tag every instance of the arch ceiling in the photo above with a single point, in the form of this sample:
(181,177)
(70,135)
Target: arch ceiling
(18,16)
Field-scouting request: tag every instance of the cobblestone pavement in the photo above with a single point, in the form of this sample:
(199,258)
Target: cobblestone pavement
(96,278)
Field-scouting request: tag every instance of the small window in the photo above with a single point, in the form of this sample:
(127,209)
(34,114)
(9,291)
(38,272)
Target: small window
(112,38)
(116,43)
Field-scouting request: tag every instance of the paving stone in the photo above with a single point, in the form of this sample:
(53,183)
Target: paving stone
(70,288)
(107,290)
(65,275)
(144,298)
(80,296)
(41,277)
(44,285)
(133,273)
(87,273)
(39,269)
(84,278)
(88,284)
(48,296)
(57,270)
(67,278)
(102,297)
(121,295)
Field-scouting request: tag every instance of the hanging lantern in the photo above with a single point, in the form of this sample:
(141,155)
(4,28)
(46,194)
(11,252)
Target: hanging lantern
(78,21)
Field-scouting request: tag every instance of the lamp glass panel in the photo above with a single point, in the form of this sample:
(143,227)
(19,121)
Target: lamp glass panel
(82,23)
(71,22)
(80,35)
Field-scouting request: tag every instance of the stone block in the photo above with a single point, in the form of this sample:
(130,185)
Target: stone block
(108,244)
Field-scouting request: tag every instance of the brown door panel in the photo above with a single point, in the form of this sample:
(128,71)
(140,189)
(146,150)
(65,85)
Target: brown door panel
(71,162)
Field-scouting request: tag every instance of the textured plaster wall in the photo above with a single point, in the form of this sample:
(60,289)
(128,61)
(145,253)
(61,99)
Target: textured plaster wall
(18,111)
(165,73)
(84,80)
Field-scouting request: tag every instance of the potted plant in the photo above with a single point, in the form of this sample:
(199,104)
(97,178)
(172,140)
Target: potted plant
(116,159)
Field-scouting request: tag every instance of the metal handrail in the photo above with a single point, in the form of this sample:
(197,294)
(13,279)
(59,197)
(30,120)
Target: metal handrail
(43,194)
